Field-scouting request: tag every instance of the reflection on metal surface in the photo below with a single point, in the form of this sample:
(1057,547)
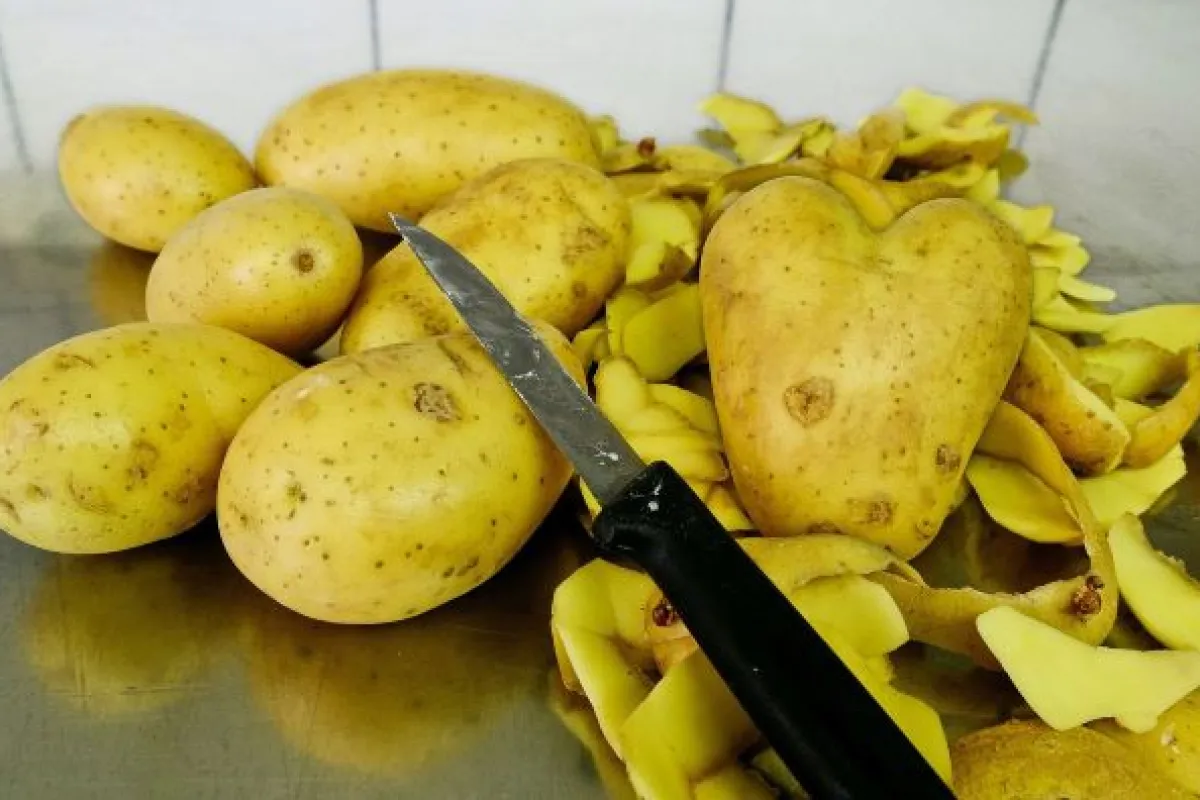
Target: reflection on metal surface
(577,717)
(403,697)
(129,632)
(968,697)
(117,278)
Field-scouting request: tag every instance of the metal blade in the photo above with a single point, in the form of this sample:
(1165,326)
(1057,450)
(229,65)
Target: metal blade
(601,456)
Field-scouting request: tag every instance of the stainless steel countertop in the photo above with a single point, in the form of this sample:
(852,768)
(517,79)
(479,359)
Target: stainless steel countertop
(161,673)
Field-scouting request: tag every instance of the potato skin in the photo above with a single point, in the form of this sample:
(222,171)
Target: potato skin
(114,439)
(277,265)
(377,486)
(401,140)
(137,174)
(854,372)
(551,234)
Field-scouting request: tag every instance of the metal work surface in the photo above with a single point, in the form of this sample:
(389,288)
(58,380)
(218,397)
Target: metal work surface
(161,673)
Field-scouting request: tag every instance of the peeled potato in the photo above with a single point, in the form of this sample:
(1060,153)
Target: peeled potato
(665,335)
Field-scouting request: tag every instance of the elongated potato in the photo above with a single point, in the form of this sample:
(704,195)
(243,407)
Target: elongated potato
(377,486)
(549,233)
(401,140)
(137,174)
(114,438)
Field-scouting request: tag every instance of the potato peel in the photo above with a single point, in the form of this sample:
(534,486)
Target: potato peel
(1090,435)
(1155,435)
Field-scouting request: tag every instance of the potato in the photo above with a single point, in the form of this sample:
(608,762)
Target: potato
(857,426)
(550,234)
(137,174)
(1172,747)
(375,487)
(1030,760)
(114,438)
(277,265)
(401,140)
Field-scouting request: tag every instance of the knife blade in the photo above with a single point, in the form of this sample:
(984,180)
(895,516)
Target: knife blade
(825,725)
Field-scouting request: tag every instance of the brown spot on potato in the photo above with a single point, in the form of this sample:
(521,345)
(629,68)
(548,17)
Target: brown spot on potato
(143,458)
(435,400)
(1087,600)
(8,508)
(877,510)
(296,493)
(579,290)
(35,492)
(824,526)
(304,261)
(65,361)
(947,459)
(89,498)
(809,401)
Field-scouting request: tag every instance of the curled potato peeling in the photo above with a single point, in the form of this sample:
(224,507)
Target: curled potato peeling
(1155,435)
(869,151)
(1089,434)
(1141,367)
(1172,326)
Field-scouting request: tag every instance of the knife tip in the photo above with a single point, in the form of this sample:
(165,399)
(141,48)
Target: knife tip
(401,224)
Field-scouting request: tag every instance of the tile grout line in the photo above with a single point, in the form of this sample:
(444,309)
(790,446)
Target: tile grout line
(726,37)
(376,47)
(14,113)
(1043,62)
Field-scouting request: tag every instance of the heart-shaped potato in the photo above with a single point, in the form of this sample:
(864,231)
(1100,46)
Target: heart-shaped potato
(854,371)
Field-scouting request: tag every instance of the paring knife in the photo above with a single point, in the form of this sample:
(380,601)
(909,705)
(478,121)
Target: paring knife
(828,729)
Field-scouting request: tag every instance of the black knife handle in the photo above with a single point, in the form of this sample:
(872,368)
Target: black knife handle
(837,741)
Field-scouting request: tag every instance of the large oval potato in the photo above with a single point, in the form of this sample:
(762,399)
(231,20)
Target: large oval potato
(277,265)
(550,234)
(114,438)
(377,486)
(898,347)
(137,174)
(401,140)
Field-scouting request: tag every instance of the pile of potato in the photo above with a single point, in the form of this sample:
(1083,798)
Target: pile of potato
(890,382)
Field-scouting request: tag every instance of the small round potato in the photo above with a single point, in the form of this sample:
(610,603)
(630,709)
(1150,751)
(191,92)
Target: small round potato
(137,174)
(277,265)
(377,486)
(400,140)
(114,438)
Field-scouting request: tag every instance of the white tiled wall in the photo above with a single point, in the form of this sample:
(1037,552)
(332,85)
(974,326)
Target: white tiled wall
(646,62)
(1119,151)
(231,62)
(845,59)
